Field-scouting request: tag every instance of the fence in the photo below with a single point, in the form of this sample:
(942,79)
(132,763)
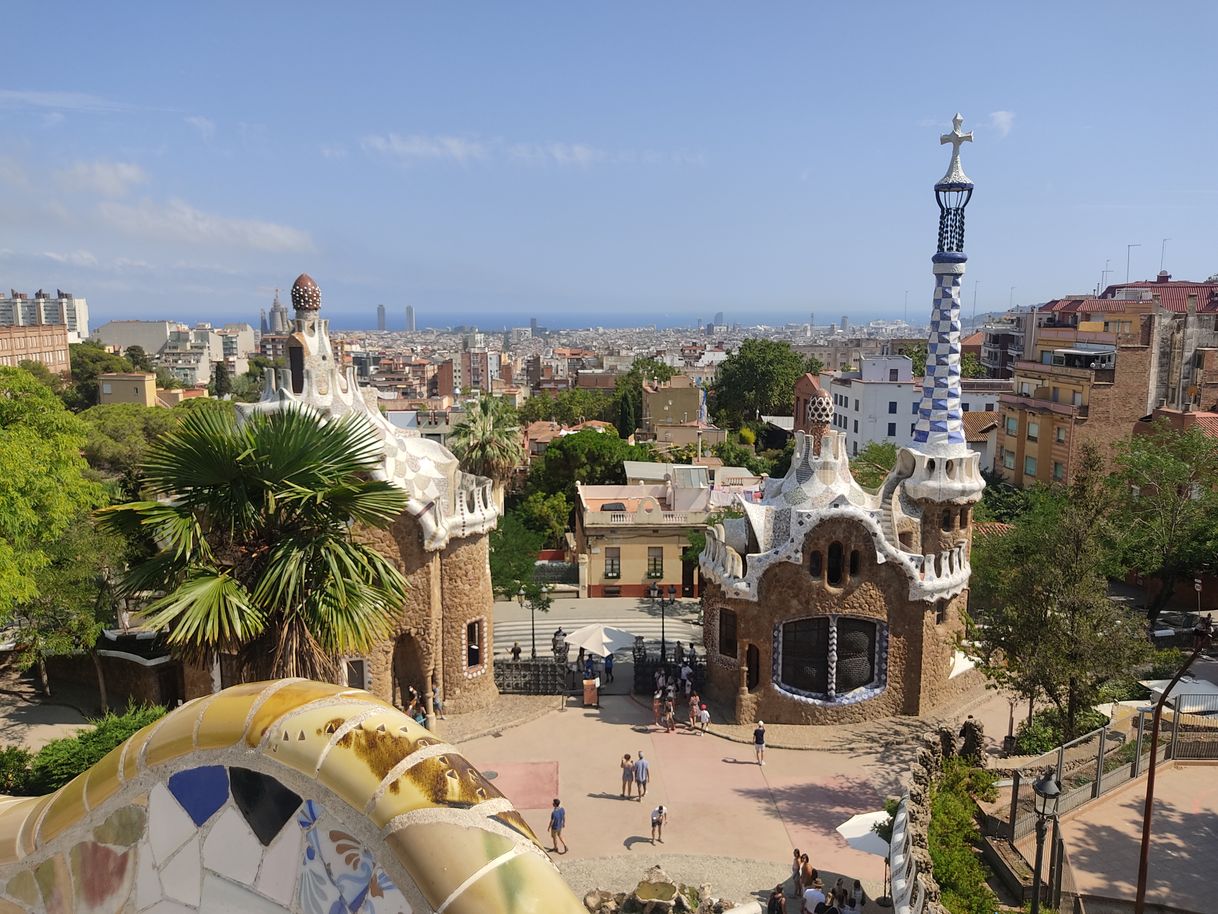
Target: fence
(544,676)
(1102,760)
(646,664)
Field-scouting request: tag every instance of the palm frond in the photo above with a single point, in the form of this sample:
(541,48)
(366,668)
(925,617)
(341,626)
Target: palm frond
(208,610)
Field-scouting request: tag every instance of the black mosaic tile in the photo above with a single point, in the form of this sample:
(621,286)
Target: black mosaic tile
(266,804)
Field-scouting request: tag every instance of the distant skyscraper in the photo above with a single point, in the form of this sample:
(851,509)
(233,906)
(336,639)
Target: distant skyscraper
(844,323)
(718,318)
(532,326)
(263,325)
(410,318)
(811,319)
(380,318)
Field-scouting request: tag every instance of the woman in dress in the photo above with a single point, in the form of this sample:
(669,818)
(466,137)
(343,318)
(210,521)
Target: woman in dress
(627,775)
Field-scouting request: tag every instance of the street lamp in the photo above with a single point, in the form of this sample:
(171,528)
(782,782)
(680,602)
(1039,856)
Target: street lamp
(532,621)
(1048,792)
(657,597)
(1203,638)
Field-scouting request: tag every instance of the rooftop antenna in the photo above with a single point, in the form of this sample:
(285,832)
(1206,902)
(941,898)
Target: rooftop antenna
(1129,250)
(1104,274)
(1163,253)
(1011,300)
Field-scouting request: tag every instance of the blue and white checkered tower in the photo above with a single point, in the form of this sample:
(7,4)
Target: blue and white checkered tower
(940,429)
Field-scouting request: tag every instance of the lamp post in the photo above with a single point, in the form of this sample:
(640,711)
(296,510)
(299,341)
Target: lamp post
(1047,791)
(1203,637)
(657,597)
(520,596)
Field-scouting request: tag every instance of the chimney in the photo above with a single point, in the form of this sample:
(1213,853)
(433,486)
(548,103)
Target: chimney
(1163,276)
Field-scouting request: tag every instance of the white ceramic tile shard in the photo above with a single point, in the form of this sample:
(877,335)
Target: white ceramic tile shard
(223,897)
(169,827)
(281,865)
(147,881)
(181,874)
(231,849)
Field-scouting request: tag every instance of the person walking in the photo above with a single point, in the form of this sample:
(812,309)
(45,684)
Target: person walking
(694,703)
(558,821)
(759,742)
(627,776)
(659,816)
(642,775)
(515,650)
(807,874)
(814,895)
(704,718)
(657,704)
(777,903)
(436,703)
(609,668)
(796,869)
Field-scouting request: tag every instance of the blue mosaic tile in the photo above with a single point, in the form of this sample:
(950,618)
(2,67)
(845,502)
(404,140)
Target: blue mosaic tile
(200,791)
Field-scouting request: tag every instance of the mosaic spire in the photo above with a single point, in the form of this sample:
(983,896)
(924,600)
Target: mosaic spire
(940,428)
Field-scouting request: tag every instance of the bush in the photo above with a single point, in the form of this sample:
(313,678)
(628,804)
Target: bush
(748,436)
(14,770)
(1166,664)
(63,759)
(1045,732)
(953,837)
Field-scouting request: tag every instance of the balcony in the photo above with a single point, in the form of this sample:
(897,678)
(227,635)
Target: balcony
(1039,370)
(1042,404)
(645,519)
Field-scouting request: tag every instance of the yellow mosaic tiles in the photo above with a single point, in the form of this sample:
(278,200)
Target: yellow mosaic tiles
(464,847)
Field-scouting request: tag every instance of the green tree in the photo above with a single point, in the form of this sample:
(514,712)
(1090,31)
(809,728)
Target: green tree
(222,382)
(488,442)
(120,434)
(513,555)
(871,466)
(1166,488)
(1000,501)
(90,359)
(57,383)
(591,457)
(139,359)
(75,600)
(43,488)
(255,550)
(696,537)
(1041,615)
(547,514)
(758,379)
(166,379)
(970,365)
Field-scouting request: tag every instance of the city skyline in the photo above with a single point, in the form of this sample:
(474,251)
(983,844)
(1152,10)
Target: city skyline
(690,176)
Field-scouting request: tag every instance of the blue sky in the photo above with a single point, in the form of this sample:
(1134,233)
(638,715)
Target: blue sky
(596,163)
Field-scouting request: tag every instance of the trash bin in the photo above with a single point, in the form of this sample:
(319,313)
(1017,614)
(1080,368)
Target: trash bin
(592,697)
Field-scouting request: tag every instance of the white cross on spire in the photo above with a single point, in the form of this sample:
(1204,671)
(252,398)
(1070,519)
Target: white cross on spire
(955,174)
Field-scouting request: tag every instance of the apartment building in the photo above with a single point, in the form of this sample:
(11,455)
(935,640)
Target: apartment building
(879,402)
(669,403)
(44,343)
(629,537)
(151,336)
(1098,365)
(21,309)
(1004,341)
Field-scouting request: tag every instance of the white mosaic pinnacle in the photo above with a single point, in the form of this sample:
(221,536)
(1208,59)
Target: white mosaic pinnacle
(940,425)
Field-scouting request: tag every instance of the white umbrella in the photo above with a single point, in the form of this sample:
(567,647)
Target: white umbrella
(857,830)
(601,640)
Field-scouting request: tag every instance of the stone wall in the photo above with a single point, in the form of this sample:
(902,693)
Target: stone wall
(467,596)
(921,636)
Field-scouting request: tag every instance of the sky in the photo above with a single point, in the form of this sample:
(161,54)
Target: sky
(597,163)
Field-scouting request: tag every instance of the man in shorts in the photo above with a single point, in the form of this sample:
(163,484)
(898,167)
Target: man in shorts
(642,774)
(659,816)
(558,821)
(759,742)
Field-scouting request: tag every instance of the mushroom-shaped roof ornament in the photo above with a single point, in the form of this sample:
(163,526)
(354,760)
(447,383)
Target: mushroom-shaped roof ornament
(305,294)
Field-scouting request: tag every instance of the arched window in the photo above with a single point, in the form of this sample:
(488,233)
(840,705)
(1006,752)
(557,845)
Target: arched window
(964,518)
(947,520)
(805,655)
(854,563)
(727,633)
(835,564)
(808,666)
(814,564)
(855,666)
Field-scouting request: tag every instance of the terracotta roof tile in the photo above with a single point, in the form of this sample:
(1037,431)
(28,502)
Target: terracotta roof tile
(976,424)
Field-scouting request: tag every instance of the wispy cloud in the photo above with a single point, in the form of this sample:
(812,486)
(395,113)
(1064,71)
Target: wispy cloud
(333,152)
(13,174)
(416,147)
(180,221)
(72,258)
(110,179)
(1002,121)
(59,101)
(205,126)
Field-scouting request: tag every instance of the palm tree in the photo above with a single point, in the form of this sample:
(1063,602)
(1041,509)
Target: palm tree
(251,541)
(488,443)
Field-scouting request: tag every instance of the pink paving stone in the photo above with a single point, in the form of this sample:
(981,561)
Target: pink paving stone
(529,785)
